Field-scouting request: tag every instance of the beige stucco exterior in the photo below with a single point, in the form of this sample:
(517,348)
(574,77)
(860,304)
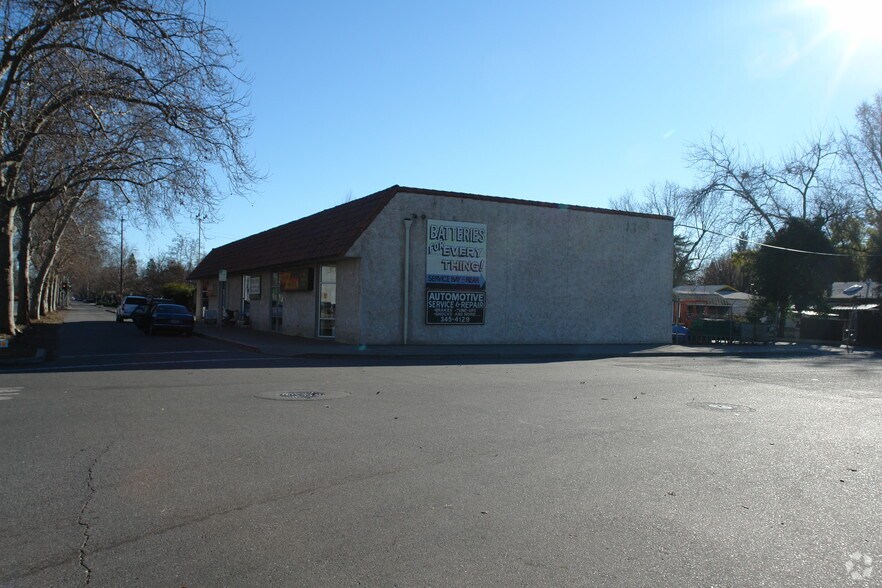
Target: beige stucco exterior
(554,275)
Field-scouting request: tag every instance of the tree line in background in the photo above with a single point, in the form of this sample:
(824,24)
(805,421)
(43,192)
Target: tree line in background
(108,109)
(103,279)
(747,219)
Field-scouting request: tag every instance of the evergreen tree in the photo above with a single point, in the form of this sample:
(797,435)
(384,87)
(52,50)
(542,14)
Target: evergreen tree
(793,270)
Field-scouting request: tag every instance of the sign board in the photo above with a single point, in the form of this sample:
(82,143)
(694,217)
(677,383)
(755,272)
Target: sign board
(254,288)
(456,254)
(299,280)
(222,276)
(455,307)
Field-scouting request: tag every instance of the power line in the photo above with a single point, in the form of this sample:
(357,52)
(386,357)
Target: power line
(766,245)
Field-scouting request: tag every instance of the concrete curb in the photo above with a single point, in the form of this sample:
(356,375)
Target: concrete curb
(535,356)
(304,350)
(39,357)
(573,356)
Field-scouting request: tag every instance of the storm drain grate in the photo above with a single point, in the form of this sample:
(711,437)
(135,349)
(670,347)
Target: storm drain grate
(721,406)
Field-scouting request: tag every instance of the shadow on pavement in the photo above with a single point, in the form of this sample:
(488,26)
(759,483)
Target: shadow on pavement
(102,346)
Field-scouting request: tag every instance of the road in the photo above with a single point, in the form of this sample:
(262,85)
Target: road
(164,461)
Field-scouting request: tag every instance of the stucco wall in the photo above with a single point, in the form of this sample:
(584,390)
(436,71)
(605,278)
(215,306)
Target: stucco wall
(298,314)
(259,310)
(554,275)
(349,326)
(234,292)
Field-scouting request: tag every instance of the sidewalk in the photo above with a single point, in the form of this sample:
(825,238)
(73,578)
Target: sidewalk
(287,346)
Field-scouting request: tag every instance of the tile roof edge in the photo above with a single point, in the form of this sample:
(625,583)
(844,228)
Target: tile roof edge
(527,202)
(303,218)
(388,193)
(384,195)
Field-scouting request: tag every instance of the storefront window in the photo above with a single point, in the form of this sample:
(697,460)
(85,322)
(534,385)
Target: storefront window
(276,303)
(327,301)
(246,301)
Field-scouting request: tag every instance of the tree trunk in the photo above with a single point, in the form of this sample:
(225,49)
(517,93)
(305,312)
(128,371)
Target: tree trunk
(38,293)
(44,297)
(49,256)
(45,270)
(782,319)
(53,293)
(24,265)
(7,261)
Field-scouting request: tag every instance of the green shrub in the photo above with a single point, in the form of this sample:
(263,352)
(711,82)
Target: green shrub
(181,292)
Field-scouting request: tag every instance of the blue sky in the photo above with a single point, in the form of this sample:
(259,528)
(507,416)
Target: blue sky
(572,102)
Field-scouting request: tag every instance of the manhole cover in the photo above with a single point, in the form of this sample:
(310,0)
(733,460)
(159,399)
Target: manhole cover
(722,406)
(300,395)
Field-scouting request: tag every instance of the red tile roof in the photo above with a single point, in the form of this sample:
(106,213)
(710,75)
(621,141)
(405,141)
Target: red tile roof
(331,233)
(325,235)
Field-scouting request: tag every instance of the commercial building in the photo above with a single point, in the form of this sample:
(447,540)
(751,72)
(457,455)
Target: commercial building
(410,265)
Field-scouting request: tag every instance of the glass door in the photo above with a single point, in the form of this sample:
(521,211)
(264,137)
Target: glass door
(276,303)
(245,309)
(327,308)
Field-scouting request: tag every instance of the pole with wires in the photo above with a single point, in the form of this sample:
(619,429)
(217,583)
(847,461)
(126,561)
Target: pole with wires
(121,221)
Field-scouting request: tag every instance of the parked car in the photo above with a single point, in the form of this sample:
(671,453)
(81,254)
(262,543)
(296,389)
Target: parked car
(141,315)
(129,303)
(172,318)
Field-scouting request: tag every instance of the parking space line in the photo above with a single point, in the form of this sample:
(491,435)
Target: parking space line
(9,393)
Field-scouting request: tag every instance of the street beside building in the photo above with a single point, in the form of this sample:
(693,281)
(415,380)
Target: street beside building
(148,461)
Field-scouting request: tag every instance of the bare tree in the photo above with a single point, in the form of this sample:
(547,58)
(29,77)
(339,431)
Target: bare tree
(183,250)
(107,65)
(736,183)
(697,223)
(65,234)
(863,151)
(806,180)
(759,196)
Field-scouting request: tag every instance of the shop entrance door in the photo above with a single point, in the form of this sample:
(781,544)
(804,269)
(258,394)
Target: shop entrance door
(327,307)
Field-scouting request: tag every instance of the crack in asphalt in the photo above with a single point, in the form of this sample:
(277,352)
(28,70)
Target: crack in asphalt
(281,495)
(80,519)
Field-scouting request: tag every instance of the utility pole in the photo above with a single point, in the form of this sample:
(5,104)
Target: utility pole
(121,221)
(199,218)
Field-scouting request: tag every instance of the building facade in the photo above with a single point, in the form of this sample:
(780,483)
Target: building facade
(409,265)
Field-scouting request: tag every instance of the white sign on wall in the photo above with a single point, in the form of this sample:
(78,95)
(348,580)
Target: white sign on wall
(254,288)
(456,254)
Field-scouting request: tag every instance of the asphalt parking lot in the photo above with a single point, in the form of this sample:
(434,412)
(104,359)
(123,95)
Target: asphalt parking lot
(175,461)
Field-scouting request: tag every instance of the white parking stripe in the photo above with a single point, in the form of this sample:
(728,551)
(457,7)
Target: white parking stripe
(9,393)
